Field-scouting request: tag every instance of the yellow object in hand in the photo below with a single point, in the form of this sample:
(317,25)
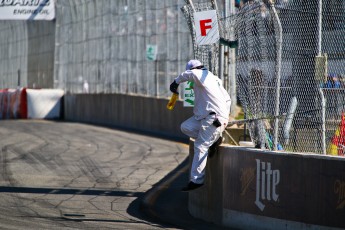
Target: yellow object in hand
(172,102)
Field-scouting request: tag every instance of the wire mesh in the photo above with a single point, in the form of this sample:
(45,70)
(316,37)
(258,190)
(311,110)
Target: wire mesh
(310,93)
(207,54)
(102,46)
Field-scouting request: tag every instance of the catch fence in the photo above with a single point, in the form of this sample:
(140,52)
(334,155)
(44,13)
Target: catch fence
(289,72)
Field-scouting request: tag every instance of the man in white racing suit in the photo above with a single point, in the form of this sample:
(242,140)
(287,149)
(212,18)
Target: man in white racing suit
(211,113)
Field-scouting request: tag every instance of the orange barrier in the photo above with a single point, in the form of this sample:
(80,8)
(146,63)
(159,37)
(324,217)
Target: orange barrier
(13,104)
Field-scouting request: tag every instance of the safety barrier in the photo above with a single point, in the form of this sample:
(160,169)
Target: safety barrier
(13,104)
(30,103)
(248,188)
(143,114)
(44,103)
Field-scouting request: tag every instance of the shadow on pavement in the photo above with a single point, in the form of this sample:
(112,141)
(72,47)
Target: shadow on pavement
(167,205)
(68,191)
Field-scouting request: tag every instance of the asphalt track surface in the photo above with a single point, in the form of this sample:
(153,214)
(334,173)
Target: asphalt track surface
(60,175)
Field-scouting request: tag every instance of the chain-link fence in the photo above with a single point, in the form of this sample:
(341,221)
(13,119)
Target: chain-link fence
(217,59)
(98,46)
(127,46)
(289,70)
(207,54)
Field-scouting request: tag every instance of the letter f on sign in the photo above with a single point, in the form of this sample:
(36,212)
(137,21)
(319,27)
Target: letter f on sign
(204,25)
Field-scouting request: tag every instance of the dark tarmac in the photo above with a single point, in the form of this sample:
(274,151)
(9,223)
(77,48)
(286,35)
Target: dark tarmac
(61,175)
(166,203)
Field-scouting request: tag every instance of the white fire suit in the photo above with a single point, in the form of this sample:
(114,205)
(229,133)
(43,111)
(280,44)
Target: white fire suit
(211,101)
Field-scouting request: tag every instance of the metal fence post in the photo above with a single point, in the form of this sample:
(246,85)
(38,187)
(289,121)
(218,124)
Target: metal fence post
(278,70)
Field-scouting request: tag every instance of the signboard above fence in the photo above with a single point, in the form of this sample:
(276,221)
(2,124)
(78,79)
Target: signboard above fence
(27,10)
(206,27)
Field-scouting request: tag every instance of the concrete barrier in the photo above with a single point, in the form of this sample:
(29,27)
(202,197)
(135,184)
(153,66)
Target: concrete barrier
(248,188)
(44,103)
(127,111)
(30,103)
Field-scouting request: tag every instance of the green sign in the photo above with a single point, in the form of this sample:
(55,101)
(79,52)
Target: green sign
(151,52)
(188,95)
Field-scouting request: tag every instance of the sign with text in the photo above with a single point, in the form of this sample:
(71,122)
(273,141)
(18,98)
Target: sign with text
(151,52)
(188,94)
(206,27)
(263,184)
(27,10)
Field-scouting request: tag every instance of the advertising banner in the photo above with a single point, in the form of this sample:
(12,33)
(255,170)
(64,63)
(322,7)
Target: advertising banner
(27,10)
(299,188)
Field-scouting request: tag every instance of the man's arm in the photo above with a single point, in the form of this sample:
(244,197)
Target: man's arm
(187,75)
(183,77)
(173,87)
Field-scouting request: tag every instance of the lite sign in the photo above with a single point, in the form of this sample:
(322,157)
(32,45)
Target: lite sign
(206,27)
(27,9)
(267,181)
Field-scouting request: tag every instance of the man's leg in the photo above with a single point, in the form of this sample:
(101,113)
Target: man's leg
(208,134)
(214,147)
(191,127)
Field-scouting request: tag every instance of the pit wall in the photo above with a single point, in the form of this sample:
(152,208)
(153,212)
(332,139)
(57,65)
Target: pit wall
(139,113)
(247,188)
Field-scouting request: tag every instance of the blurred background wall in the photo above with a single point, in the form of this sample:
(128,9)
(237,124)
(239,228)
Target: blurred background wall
(104,46)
